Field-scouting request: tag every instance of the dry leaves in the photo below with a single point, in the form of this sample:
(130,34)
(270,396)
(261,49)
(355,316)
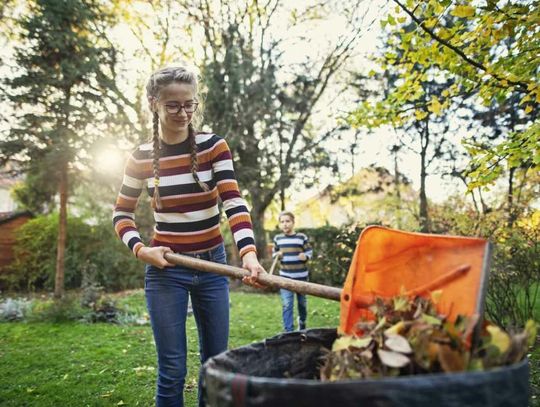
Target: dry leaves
(408,337)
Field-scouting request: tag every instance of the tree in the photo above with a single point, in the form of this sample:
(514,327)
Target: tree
(414,111)
(489,49)
(59,92)
(263,107)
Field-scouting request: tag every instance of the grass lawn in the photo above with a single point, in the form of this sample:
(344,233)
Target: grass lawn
(77,364)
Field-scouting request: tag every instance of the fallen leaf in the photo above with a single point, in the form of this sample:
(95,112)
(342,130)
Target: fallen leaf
(431,319)
(395,329)
(346,341)
(451,360)
(499,338)
(392,359)
(397,343)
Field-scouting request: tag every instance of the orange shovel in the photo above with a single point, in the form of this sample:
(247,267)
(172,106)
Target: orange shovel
(387,263)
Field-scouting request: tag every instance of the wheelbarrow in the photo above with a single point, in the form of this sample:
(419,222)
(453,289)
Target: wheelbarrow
(282,371)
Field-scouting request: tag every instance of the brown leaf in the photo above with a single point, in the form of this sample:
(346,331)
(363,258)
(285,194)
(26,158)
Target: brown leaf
(451,360)
(392,359)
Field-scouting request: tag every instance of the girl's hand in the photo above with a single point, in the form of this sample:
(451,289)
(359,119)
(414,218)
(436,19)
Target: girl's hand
(251,263)
(155,256)
(302,256)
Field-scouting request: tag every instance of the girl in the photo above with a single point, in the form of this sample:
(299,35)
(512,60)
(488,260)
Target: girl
(185,172)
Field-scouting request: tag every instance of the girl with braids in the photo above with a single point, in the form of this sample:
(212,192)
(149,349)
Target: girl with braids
(185,172)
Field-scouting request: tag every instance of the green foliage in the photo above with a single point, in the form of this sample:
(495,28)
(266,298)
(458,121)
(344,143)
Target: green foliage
(95,245)
(490,54)
(59,87)
(60,310)
(513,294)
(263,108)
(14,309)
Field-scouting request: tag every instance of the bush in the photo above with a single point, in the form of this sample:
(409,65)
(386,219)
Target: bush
(34,266)
(57,310)
(514,278)
(14,309)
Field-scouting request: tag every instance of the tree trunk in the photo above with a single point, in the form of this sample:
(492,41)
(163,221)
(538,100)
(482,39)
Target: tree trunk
(510,199)
(424,215)
(257,218)
(62,232)
(397,187)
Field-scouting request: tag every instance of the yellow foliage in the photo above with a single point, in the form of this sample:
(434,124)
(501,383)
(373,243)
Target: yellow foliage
(463,11)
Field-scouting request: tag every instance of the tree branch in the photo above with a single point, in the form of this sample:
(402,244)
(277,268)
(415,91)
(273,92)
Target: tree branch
(458,51)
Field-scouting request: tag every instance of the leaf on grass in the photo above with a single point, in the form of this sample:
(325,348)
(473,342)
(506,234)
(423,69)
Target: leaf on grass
(392,359)
(397,343)
(499,338)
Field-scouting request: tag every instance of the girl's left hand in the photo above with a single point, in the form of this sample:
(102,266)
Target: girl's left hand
(251,263)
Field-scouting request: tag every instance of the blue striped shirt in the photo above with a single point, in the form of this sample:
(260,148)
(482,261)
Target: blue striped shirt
(291,246)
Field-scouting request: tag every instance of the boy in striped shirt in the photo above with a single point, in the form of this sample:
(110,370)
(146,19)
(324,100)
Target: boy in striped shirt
(294,250)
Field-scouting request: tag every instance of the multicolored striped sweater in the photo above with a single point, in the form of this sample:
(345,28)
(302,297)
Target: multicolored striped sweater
(291,246)
(189,219)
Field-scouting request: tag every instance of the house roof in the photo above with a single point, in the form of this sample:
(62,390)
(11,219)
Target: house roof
(8,216)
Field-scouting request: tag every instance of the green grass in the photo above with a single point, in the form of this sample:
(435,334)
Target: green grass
(76,364)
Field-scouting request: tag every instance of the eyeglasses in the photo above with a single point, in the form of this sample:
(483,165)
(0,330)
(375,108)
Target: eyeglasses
(175,108)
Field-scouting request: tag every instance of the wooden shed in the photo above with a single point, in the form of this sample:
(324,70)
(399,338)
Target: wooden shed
(9,223)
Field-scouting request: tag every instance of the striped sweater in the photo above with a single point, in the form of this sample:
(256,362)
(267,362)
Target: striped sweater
(189,219)
(291,246)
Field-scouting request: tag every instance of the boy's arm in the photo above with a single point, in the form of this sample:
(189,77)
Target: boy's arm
(308,251)
(275,249)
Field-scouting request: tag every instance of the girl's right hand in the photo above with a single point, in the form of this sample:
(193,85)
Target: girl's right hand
(155,256)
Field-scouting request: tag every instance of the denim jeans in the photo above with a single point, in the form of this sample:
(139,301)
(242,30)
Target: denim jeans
(287,302)
(167,293)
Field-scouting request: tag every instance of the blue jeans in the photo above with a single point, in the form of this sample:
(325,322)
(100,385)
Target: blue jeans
(287,302)
(167,293)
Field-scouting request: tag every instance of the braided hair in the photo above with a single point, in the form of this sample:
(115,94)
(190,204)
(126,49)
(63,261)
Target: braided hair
(158,80)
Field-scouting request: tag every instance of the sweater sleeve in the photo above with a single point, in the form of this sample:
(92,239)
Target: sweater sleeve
(126,202)
(234,205)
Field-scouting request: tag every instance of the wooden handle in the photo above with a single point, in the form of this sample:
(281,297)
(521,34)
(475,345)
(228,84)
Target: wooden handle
(301,287)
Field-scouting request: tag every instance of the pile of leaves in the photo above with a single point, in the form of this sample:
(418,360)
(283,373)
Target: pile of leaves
(408,337)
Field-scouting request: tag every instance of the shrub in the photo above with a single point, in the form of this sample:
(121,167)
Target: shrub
(34,266)
(14,309)
(514,278)
(57,310)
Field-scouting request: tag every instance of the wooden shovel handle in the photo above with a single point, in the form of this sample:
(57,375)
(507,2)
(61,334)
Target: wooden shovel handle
(301,287)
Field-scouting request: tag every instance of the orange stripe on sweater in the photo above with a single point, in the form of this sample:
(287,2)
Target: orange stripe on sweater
(239,219)
(192,238)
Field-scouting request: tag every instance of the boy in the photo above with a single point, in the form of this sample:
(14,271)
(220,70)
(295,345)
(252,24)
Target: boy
(294,250)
